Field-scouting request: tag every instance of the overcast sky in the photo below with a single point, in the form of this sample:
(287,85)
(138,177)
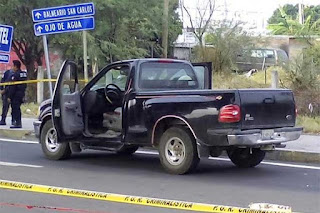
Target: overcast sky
(264,8)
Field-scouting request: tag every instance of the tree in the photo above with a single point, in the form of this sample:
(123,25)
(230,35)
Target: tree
(26,45)
(121,34)
(292,12)
(284,21)
(290,26)
(124,29)
(222,46)
(200,25)
(288,9)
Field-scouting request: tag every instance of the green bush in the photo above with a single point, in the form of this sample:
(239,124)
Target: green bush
(309,124)
(222,46)
(304,71)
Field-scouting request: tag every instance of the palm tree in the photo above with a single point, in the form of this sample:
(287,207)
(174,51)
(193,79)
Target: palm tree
(290,26)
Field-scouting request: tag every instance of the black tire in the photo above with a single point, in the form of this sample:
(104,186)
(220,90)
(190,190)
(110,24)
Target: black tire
(127,150)
(190,159)
(63,151)
(244,159)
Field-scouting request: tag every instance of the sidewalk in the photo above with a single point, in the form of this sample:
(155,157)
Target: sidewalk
(305,149)
(27,124)
(25,133)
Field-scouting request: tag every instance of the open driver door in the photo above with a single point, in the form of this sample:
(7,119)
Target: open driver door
(67,113)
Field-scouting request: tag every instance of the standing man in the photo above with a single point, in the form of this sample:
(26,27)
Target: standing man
(16,93)
(4,95)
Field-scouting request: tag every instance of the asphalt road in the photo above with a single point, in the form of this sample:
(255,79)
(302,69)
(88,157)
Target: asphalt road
(215,182)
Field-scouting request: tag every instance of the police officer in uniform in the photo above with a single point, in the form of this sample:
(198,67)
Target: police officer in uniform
(16,93)
(4,95)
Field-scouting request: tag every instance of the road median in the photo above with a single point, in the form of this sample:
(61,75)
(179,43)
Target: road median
(293,156)
(21,134)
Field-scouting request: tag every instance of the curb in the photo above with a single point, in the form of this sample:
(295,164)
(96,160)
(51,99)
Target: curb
(20,134)
(293,156)
(277,155)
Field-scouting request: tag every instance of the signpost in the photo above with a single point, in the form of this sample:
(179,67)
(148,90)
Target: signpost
(6,34)
(63,12)
(4,58)
(64,26)
(63,19)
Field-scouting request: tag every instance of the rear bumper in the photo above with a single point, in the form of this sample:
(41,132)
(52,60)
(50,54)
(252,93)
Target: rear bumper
(36,126)
(255,137)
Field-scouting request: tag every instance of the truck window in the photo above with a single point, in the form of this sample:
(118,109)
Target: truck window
(117,76)
(200,76)
(269,54)
(282,56)
(155,75)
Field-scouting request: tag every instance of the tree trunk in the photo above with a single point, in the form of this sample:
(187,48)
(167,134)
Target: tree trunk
(31,93)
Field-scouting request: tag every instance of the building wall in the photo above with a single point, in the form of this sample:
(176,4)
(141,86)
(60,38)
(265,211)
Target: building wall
(55,62)
(276,42)
(182,53)
(296,47)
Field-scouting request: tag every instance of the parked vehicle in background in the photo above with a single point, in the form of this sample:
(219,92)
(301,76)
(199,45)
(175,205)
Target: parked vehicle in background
(260,58)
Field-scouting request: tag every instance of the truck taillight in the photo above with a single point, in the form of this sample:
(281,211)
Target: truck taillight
(230,114)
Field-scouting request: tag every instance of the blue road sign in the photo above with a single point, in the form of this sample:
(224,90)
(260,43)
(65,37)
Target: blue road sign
(6,34)
(64,26)
(63,12)
(4,58)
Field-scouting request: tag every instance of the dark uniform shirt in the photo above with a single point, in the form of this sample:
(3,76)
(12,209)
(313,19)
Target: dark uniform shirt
(6,78)
(17,91)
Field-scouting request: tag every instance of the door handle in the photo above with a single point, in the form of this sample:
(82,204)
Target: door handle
(70,105)
(269,101)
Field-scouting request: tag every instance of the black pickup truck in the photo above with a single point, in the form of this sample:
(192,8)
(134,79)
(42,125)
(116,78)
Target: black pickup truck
(166,104)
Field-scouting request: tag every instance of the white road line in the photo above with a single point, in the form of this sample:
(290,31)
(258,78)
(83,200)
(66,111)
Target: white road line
(19,164)
(264,162)
(18,141)
(291,165)
(211,158)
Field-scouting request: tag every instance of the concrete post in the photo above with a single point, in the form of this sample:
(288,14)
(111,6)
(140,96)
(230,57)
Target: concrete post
(95,66)
(40,75)
(274,79)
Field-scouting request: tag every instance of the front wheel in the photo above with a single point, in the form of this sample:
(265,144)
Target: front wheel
(49,144)
(246,157)
(178,151)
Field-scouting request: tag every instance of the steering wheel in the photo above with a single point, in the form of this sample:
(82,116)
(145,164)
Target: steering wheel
(112,93)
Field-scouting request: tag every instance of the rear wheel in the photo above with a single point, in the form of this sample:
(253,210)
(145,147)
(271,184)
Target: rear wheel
(246,157)
(178,151)
(49,144)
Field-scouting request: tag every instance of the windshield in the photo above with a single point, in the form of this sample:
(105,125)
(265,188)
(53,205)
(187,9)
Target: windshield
(155,75)
(117,76)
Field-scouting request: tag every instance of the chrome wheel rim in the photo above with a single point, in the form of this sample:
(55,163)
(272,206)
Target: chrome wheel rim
(51,140)
(175,151)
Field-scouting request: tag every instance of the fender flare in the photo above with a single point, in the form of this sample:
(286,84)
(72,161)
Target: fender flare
(171,116)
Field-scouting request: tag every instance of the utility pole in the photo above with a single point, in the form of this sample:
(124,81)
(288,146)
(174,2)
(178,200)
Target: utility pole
(46,55)
(165,28)
(301,14)
(85,56)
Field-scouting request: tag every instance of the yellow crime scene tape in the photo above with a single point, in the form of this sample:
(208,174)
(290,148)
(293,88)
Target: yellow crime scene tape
(135,200)
(33,82)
